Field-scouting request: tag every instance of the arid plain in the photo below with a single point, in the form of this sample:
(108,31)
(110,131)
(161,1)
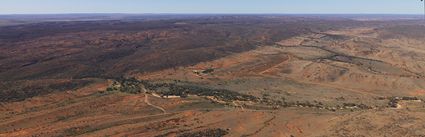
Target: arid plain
(213,75)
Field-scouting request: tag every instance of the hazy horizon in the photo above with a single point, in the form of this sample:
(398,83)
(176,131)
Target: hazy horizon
(385,14)
(411,7)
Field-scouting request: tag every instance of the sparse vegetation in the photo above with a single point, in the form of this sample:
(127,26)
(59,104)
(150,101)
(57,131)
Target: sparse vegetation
(183,90)
(393,101)
(209,70)
(75,131)
(212,76)
(206,133)
(21,90)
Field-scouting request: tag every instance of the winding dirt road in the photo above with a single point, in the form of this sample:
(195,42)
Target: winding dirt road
(150,104)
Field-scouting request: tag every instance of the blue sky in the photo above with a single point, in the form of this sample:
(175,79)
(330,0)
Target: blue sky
(211,6)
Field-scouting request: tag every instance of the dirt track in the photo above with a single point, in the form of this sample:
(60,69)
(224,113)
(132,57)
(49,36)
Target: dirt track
(155,106)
